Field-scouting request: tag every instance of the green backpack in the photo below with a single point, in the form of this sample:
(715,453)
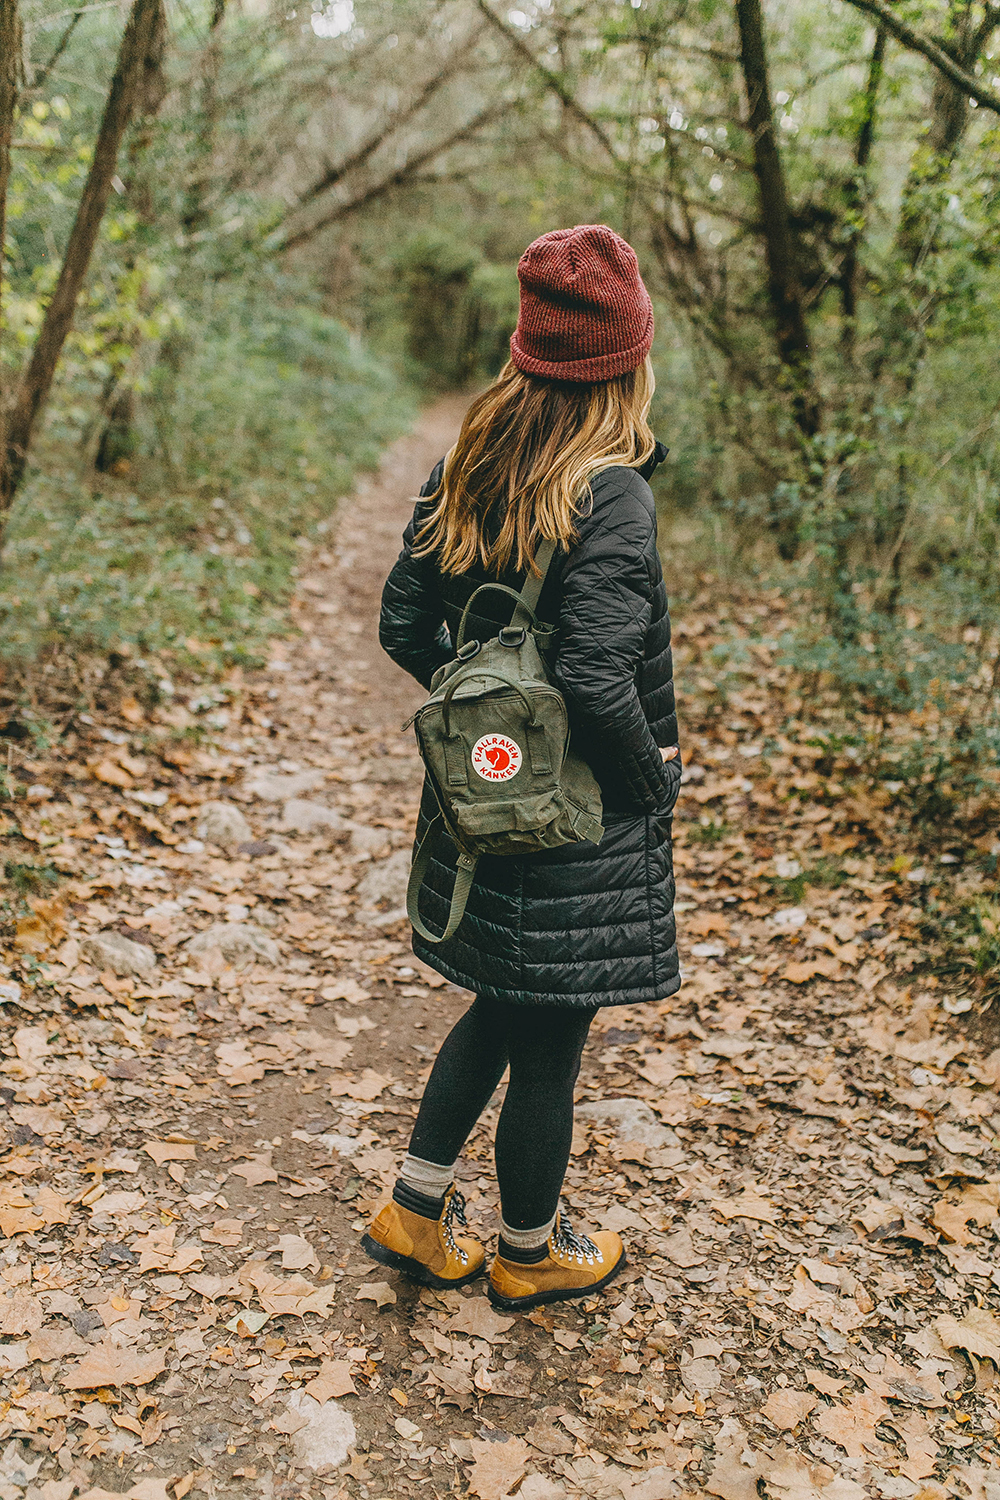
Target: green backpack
(494,737)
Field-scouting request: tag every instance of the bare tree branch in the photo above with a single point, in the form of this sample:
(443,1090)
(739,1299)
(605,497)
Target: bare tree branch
(552,81)
(916,41)
(335,174)
(41,76)
(395,179)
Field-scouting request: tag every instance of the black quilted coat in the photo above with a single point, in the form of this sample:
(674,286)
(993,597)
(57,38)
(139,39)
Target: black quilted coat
(585,924)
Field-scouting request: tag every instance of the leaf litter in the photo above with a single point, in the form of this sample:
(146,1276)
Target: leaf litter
(802,1152)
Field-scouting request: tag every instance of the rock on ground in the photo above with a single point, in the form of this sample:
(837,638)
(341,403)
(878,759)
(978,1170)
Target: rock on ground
(375,842)
(300,816)
(238,943)
(271,786)
(386,880)
(631,1120)
(222,823)
(327,1436)
(110,950)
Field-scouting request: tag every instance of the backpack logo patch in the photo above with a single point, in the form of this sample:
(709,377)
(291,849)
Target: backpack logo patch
(496,758)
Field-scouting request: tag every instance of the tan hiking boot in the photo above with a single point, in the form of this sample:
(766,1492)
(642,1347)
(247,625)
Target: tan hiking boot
(575,1266)
(426,1250)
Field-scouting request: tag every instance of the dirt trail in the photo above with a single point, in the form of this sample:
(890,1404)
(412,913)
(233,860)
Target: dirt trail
(212,1065)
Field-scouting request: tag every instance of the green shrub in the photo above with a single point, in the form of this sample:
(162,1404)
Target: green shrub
(247,437)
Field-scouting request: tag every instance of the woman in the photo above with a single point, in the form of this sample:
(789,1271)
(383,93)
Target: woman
(558,448)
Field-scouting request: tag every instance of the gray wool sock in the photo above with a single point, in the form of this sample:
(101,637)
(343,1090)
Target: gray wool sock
(427,1177)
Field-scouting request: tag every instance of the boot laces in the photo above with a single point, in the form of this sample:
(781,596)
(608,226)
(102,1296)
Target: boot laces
(454,1210)
(568,1242)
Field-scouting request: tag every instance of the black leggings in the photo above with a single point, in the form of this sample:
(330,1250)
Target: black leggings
(543,1045)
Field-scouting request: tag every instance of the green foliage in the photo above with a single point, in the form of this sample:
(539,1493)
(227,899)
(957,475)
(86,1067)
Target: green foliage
(972,948)
(29,879)
(244,447)
(708,830)
(459,310)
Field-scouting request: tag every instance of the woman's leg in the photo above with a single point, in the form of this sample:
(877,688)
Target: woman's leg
(467,1069)
(535,1129)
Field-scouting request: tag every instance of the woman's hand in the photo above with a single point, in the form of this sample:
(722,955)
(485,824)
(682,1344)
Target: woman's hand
(671,752)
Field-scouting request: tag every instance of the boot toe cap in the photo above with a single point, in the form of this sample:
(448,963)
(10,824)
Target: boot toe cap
(609,1247)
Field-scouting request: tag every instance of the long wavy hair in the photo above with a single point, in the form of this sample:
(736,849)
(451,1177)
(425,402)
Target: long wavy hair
(521,469)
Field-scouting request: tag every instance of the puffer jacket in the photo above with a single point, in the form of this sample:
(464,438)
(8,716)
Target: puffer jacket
(585,924)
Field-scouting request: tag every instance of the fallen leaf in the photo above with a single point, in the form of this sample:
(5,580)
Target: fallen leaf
(477,1318)
(497,1467)
(801,973)
(163,1151)
(21,1220)
(289,1294)
(53,1208)
(825,1384)
(959,1142)
(365,1089)
(296,1253)
(787,1408)
(290,1421)
(227,1232)
(852,1425)
(978,1333)
(749,1205)
(21,1314)
(333,1379)
(825,1308)
(105,770)
(111,1366)
(247,1322)
(379,1292)
(978,1204)
(255,1173)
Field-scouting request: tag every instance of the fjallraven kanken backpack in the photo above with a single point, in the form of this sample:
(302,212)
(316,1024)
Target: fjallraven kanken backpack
(494,737)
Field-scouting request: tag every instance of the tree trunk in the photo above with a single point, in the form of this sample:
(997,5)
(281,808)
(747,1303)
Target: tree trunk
(140,32)
(118,442)
(195,215)
(784,290)
(10,57)
(857,192)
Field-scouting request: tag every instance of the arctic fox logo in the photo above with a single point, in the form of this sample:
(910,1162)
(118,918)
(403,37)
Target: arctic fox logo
(496,758)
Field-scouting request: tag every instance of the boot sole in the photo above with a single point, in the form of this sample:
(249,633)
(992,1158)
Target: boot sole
(558,1294)
(415,1269)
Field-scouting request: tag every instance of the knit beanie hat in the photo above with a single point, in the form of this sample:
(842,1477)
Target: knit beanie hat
(585,314)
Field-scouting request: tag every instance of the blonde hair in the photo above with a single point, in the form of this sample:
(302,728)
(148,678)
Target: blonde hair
(521,469)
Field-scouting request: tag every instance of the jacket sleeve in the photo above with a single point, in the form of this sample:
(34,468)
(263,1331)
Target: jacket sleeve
(412,628)
(607,591)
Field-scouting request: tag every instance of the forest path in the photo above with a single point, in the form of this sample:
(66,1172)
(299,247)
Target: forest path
(213,1076)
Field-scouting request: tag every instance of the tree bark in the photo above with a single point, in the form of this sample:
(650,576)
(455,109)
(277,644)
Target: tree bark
(195,213)
(857,190)
(141,31)
(784,290)
(10,56)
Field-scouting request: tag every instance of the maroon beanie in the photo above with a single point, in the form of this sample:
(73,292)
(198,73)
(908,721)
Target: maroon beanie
(585,314)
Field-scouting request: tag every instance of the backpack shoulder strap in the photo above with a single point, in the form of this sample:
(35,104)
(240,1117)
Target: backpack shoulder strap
(464,876)
(528,598)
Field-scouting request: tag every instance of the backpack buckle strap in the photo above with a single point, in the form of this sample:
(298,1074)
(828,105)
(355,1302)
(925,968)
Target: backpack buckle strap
(454,759)
(538,751)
